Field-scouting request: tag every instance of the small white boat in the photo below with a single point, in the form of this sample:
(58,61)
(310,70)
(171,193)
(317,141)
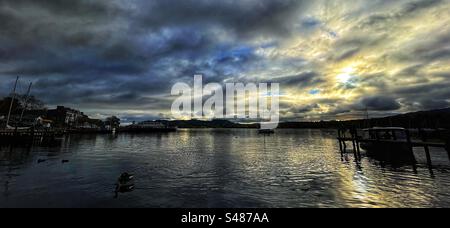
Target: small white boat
(17,128)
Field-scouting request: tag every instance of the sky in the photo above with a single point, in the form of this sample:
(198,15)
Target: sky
(333,59)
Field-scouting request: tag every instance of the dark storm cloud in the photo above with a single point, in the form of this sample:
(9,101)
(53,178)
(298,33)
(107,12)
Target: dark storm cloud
(376,81)
(378,106)
(429,103)
(425,88)
(426,96)
(411,70)
(434,49)
(242,17)
(339,111)
(410,8)
(300,80)
(79,50)
(64,7)
(41,23)
(126,55)
(378,103)
(106,90)
(303,109)
(350,46)
(442,53)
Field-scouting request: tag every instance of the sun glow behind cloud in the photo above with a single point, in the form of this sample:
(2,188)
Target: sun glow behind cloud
(346,76)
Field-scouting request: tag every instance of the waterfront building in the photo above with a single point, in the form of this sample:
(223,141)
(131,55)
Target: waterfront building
(64,116)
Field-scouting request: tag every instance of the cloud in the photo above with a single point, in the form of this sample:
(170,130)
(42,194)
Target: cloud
(407,9)
(378,103)
(114,56)
(243,18)
(300,80)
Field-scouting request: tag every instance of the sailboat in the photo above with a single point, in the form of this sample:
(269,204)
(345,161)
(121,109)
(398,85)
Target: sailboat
(9,127)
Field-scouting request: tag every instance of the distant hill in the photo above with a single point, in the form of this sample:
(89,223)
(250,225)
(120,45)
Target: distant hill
(424,119)
(439,118)
(208,124)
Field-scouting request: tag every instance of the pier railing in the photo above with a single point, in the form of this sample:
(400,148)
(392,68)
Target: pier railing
(423,141)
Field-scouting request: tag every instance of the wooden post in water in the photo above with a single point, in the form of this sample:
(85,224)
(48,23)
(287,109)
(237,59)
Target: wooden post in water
(354,135)
(354,148)
(410,147)
(343,141)
(377,136)
(340,146)
(447,148)
(423,135)
(340,140)
(394,136)
(357,144)
(353,141)
(32,133)
(408,140)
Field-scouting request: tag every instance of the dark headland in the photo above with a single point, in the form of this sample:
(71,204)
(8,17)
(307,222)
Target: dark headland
(433,119)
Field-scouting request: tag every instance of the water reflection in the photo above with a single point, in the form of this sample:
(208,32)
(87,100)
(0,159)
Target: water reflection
(214,168)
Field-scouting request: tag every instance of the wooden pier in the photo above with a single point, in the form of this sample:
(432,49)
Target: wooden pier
(351,136)
(30,136)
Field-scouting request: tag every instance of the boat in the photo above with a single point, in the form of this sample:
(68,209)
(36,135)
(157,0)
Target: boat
(148,127)
(387,143)
(266,131)
(17,128)
(8,127)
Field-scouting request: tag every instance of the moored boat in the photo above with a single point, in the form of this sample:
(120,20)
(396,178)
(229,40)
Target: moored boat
(148,127)
(388,143)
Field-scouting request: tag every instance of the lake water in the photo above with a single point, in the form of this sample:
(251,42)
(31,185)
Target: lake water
(215,168)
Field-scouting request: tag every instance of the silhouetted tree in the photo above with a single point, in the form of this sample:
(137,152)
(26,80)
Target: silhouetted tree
(113,121)
(20,101)
(31,102)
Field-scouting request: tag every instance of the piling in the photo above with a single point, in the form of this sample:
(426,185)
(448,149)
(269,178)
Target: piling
(447,148)
(423,135)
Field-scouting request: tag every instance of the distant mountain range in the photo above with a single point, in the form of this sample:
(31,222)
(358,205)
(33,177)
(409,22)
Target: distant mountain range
(424,119)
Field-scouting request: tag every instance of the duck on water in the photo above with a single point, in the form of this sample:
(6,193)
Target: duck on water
(125,183)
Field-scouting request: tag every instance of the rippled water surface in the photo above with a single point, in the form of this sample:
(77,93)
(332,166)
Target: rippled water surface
(215,168)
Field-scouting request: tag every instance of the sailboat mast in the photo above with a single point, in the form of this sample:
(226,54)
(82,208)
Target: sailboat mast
(12,101)
(366,113)
(26,102)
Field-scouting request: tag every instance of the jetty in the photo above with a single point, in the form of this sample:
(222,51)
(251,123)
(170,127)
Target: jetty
(29,136)
(392,140)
